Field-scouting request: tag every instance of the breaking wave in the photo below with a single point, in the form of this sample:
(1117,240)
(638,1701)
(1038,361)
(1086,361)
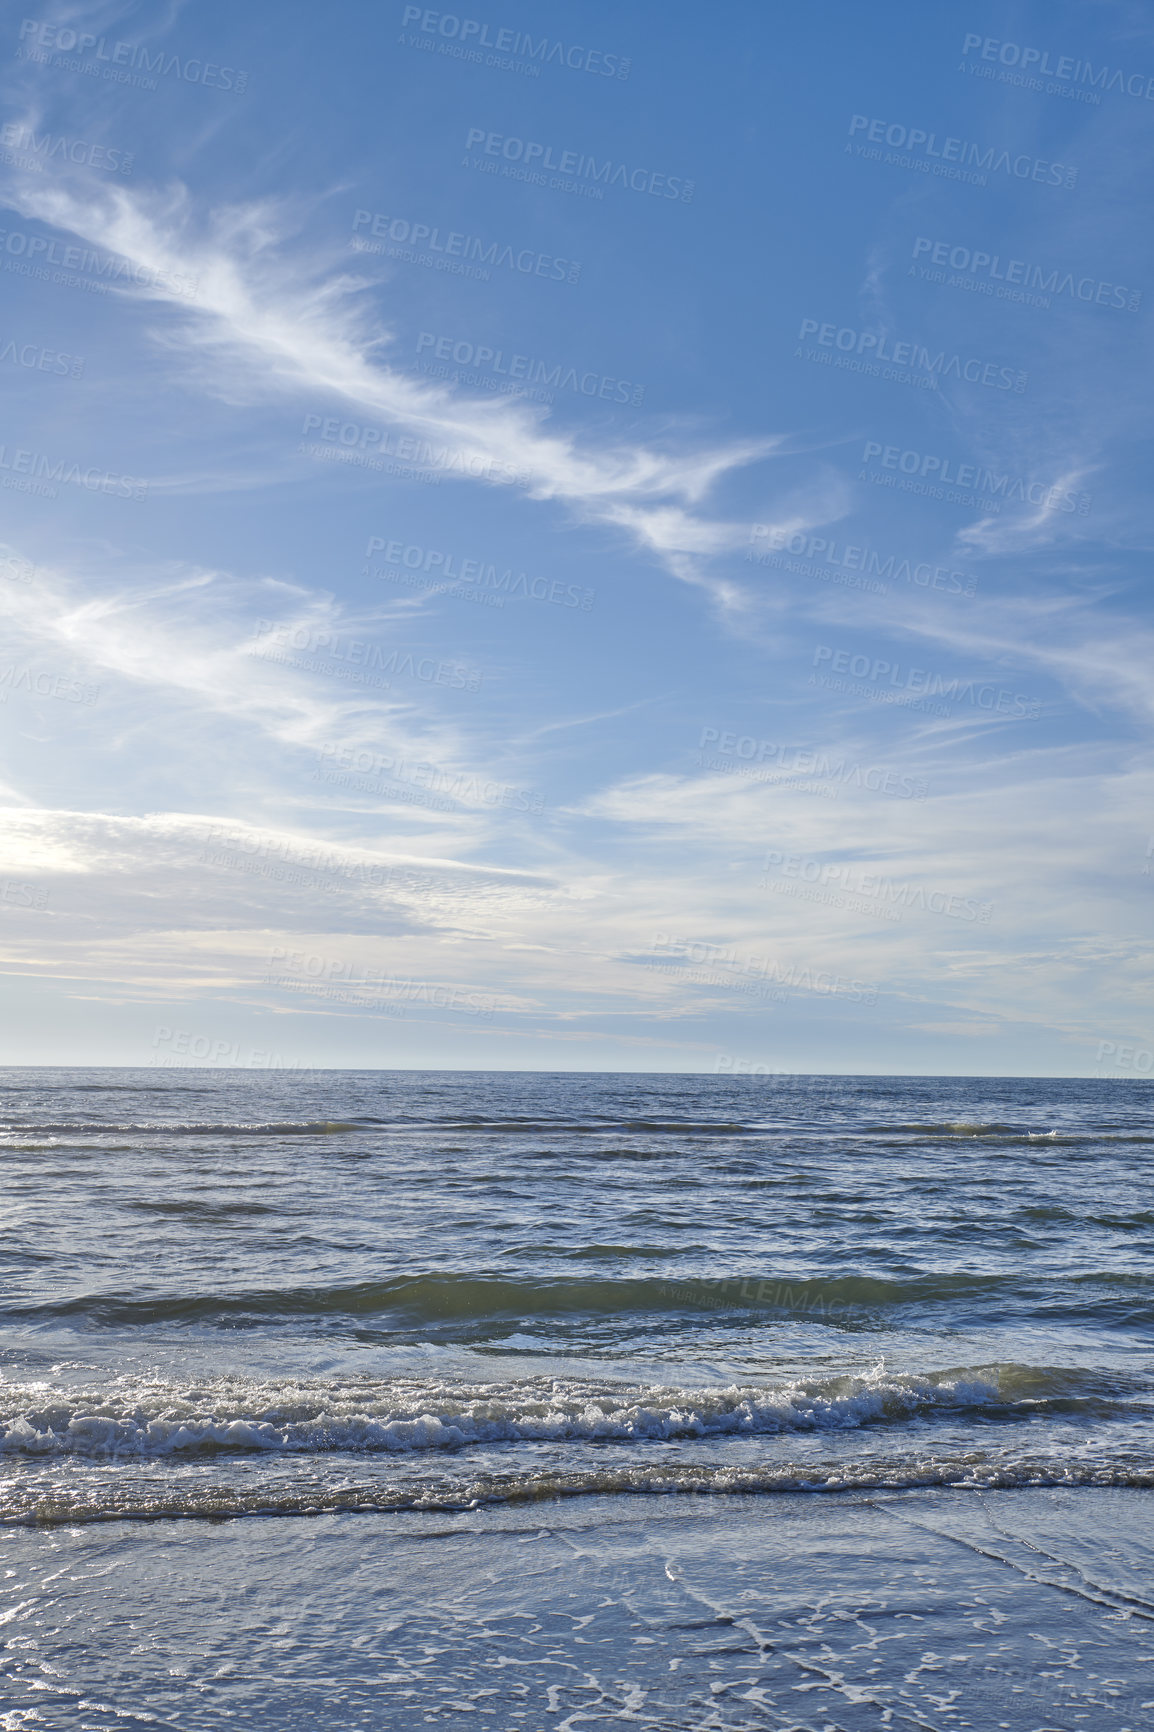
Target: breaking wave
(974,1471)
(156,1420)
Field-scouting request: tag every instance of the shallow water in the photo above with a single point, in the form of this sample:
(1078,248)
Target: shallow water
(546,1363)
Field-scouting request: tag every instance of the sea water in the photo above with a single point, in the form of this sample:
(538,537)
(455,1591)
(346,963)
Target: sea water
(385,1399)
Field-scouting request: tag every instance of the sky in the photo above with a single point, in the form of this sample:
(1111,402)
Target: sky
(577,537)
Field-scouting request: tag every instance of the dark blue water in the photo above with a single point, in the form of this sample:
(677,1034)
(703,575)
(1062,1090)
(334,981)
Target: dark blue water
(571,1330)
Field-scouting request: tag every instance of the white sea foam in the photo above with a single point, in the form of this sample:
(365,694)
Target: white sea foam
(156,1419)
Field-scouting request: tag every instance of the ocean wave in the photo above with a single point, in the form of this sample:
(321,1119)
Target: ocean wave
(157,1420)
(26,1505)
(126,1089)
(166,1127)
(595,1125)
(448,1299)
(1026,1135)
(962,1128)
(594,1128)
(540,1127)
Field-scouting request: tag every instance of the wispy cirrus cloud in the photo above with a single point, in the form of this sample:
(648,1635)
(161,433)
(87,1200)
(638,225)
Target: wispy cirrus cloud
(268,320)
(185,635)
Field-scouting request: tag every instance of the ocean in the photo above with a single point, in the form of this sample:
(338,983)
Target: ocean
(338,1399)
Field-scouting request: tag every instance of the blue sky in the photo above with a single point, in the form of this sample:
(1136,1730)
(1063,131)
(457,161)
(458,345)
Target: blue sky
(573,537)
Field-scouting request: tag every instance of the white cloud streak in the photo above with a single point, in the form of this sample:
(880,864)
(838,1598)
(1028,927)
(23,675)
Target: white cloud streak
(261,325)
